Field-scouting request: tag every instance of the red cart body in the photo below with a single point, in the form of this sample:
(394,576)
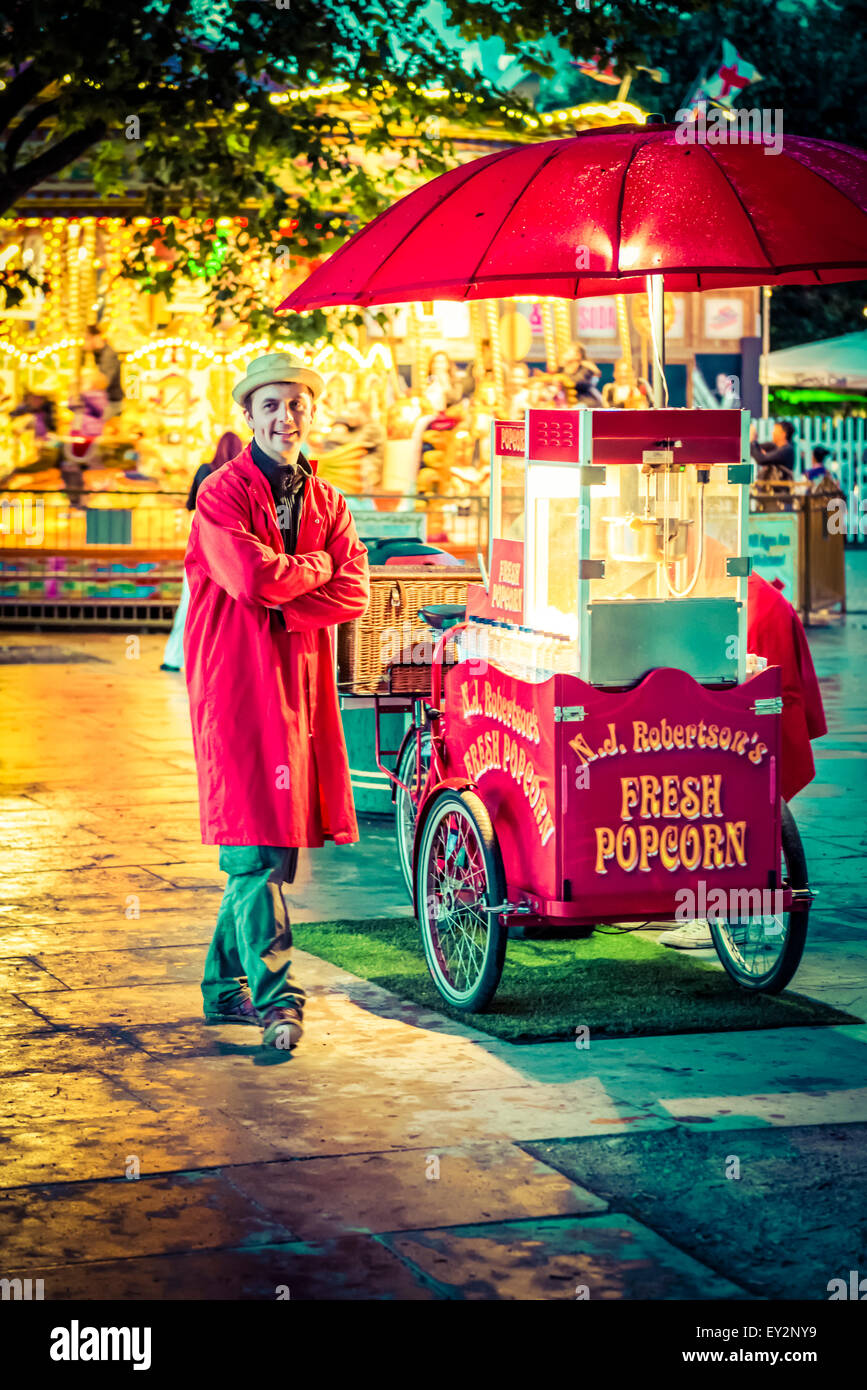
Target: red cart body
(609,805)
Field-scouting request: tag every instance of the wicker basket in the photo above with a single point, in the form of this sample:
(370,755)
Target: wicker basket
(410,672)
(367,646)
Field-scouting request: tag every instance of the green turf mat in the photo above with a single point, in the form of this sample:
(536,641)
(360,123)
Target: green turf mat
(619,985)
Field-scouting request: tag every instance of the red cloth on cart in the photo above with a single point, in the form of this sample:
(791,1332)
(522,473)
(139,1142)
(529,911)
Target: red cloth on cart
(775,632)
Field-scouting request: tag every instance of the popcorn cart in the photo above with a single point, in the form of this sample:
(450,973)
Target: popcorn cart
(597,746)
(603,749)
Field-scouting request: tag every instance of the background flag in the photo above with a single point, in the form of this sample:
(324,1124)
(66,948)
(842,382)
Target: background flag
(725,80)
(731,76)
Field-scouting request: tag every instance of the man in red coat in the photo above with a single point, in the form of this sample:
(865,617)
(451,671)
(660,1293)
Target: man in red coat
(273,564)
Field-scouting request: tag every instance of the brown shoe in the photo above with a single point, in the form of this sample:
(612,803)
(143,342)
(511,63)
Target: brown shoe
(282,1028)
(241,1011)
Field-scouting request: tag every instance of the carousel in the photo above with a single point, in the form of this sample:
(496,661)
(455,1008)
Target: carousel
(101,432)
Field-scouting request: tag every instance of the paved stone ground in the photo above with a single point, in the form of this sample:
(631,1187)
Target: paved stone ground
(397,1154)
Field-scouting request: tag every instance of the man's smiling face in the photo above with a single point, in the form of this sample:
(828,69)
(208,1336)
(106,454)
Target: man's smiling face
(280,417)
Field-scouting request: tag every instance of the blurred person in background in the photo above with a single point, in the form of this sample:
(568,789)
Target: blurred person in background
(43,423)
(106,361)
(444,386)
(776,460)
(228,447)
(518,389)
(820,478)
(626,391)
(80,449)
(479,372)
(89,408)
(359,430)
(42,408)
(728,390)
(582,375)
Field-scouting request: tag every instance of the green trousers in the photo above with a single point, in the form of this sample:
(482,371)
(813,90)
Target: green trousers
(253,937)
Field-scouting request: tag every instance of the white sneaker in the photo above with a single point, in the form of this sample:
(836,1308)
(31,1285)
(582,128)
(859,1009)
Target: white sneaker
(691,936)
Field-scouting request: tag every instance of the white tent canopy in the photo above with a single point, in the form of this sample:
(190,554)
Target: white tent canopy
(839,363)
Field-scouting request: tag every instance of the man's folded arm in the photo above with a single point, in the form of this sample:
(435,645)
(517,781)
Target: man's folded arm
(242,564)
(344,597)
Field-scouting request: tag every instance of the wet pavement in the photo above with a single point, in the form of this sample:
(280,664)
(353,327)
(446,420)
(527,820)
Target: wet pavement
(397,1154)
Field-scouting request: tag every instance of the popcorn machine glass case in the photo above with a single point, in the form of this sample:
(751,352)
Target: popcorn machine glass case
(634,524)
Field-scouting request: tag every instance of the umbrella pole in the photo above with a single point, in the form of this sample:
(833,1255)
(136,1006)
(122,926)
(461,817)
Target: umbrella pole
(766,345)
(656,307)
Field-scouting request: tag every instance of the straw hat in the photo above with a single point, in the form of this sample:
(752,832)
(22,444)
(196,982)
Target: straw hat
(276,367)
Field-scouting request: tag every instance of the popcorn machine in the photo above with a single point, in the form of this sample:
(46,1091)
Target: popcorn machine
(634,532)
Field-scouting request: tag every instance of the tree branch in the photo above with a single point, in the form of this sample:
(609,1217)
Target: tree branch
(29,123)
(50,162)
(20,92)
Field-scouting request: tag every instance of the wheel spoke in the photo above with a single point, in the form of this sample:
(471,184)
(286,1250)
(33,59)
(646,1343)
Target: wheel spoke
(457,895)
(754,945)
(406,807)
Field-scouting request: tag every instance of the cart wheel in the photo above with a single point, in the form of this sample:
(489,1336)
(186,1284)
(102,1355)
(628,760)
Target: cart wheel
(763,953)
(459,877)
(405,809)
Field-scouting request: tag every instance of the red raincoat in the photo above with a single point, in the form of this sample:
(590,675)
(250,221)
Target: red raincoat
(775,631)
(267,733)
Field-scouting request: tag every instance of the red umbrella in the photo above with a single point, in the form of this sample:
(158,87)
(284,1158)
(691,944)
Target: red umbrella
(596,213)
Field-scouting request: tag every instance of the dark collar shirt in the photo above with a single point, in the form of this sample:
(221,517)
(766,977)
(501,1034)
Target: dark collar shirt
(287,489)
